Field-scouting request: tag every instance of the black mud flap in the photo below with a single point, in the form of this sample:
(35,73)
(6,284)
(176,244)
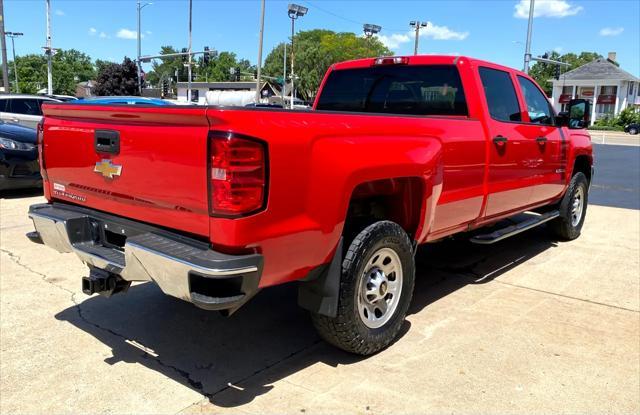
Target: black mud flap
(319,292)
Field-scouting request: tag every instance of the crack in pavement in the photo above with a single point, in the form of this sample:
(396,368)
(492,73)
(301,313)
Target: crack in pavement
(77,305)
(193,383)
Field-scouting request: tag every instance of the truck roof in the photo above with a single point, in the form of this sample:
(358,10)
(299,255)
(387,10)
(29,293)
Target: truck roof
(422,60)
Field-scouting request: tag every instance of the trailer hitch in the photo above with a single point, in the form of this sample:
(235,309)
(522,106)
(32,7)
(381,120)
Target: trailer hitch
(104,283)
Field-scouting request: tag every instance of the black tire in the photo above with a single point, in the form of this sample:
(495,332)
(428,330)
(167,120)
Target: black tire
(347,330)
(563,227)
(633,131)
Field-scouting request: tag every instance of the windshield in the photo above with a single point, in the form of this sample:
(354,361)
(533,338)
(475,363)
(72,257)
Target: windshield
(415,90)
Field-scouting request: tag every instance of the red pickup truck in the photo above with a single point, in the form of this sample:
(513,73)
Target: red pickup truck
(214,204)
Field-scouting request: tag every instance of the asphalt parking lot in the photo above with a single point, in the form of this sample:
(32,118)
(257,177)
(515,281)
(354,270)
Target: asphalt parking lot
(529,325)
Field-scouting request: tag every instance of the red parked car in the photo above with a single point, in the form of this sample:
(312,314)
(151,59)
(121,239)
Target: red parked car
(214,204)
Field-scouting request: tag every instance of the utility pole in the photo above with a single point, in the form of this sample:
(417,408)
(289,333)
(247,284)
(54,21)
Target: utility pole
(527,51)
(258,96)
(417,24)
(14,35)
(294,12)
(284,73)
(189,64)
(5,69)
(49,51)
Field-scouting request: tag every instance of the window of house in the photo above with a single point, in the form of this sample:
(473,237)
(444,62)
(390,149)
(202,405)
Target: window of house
(608,90)
(631,85)
(501,95)
(414,90)
(538,106)
(567,90)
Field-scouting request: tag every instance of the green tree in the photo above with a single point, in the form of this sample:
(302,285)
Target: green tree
(68,68)
(316,50)
(543,73)
(118,79)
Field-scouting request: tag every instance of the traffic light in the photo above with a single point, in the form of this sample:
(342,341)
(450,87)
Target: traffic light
(165,87)
(255,74)
(237,74)
(557,72)
(205,57)
(184,57)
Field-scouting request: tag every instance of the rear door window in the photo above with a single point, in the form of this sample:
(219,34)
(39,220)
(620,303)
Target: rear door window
(394,89)
(538,106)
(26,106)
(3,105)
(501,95)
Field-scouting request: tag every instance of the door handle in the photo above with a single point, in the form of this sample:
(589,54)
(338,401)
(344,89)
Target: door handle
(499,140)
(541,140)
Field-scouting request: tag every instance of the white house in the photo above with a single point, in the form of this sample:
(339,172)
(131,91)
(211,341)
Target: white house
(601,82)
(199,89)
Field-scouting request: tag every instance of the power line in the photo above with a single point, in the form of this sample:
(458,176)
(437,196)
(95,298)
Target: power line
(346,19)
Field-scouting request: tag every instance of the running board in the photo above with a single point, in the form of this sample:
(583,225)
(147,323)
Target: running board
(504,233)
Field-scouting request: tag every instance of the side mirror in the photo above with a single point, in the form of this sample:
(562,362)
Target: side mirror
(578,113)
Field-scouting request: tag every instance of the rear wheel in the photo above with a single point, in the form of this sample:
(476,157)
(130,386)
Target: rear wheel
(376,287)
(573,209)
(633,130)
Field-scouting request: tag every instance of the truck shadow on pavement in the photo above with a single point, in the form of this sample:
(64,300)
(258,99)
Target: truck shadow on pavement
(233,360)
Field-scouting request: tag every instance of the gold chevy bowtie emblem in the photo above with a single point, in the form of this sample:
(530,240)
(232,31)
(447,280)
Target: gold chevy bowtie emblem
(107,169)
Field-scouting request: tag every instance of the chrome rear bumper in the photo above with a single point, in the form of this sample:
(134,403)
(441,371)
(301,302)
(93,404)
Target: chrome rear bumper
(182,267)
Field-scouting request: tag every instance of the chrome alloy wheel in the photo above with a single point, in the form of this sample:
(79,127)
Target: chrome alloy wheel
(577,206)
(380,288)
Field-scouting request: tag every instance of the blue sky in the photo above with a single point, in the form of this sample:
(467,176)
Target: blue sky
(492,30)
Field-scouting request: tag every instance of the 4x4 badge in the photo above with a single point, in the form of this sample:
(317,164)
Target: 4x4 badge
(107,169)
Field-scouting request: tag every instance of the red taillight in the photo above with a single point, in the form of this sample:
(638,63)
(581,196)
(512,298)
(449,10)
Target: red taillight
(392,60)
(237,174)
(40,146)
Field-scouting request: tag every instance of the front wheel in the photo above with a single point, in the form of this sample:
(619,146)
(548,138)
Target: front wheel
(376,287)
(573,209)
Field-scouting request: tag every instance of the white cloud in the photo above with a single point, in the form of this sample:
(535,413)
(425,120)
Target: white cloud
(92,31)
(442,33)
(433,31)
(148,32)
(558,49)
(103,35)
(546,8)
(611,31)
(394,41)
(59,12)
(127,34)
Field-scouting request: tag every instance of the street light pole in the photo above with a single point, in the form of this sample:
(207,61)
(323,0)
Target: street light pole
(49,51)
(369,31)
(284,73)
(294,11)
(189,68)
(527,51)
(258,95)
(140,6)
(14,35)
(417,24)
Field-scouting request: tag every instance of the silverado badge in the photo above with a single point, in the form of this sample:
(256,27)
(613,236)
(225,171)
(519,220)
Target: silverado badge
(107,169)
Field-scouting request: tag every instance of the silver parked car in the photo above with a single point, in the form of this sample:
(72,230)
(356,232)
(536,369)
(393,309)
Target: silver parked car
(22,109)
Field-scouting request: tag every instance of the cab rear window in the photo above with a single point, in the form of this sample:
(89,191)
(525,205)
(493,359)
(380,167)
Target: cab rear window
(412,90)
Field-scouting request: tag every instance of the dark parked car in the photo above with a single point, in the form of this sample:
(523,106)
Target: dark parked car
(123,100)
(19,166)
(632,128)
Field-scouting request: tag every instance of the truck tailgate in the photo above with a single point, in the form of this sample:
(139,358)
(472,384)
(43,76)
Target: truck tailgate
(157,173)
